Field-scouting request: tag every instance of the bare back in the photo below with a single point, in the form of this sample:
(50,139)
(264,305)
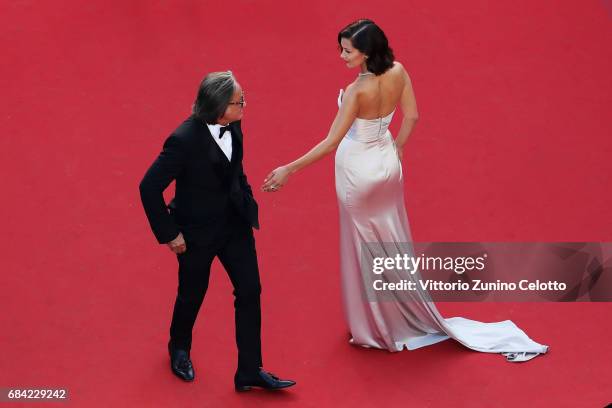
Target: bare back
(379,95)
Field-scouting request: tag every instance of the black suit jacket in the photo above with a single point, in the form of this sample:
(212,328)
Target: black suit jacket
(211,192)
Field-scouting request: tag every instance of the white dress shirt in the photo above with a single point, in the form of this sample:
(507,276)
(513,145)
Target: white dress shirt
(225,143)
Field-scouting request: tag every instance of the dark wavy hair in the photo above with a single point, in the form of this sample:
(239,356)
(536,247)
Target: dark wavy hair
(368,38)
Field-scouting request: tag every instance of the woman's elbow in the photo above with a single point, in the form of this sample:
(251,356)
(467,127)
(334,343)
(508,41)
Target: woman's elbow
(333,146)
(330,145)
(411,117)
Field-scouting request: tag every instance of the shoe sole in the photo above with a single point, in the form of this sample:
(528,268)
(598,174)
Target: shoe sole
(244,388)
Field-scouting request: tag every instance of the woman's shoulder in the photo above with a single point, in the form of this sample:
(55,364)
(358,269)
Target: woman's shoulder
(397,69)
(398,74)
(353,88)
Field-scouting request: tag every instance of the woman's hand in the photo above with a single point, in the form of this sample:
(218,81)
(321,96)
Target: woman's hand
(400,152)
(276,179)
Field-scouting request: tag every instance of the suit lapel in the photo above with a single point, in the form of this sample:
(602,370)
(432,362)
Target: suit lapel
(213,152)
(236,143)
(216,156)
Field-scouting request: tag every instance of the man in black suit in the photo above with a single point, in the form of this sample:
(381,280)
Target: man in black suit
(212,215)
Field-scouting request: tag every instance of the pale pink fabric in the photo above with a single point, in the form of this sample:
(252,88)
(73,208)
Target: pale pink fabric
(369,187)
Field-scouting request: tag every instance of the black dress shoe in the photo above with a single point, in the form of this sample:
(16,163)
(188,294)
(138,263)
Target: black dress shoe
(181,364)
(262,379)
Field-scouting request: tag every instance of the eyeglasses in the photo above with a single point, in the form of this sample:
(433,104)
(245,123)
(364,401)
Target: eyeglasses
(242,102)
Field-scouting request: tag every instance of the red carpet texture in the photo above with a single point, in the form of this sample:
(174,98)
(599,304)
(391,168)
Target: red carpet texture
(513,144)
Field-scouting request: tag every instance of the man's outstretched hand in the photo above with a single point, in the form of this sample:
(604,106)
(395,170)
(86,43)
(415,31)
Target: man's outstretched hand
(178,245)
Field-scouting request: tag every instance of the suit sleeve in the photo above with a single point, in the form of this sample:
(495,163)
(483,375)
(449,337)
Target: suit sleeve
(250,203)
(244,183)
(164,169)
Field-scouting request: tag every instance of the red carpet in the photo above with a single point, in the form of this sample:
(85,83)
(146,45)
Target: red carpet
(513,144)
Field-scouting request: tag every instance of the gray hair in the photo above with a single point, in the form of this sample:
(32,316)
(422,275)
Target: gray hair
(215,93)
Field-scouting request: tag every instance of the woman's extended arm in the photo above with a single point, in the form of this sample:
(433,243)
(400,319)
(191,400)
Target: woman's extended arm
(341,124)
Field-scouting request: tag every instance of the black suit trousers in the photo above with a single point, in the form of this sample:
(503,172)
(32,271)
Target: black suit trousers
(235,248)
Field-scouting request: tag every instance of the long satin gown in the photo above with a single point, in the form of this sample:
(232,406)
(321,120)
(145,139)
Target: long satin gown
(369,187)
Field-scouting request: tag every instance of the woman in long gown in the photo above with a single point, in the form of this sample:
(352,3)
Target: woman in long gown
(369,187)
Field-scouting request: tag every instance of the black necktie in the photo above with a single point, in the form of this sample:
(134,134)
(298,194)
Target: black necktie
(222,130)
